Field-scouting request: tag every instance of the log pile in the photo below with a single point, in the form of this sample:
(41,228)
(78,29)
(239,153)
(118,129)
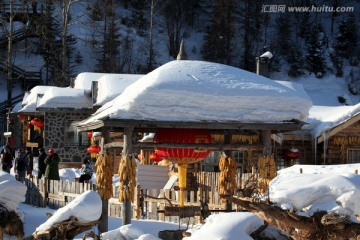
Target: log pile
(10,223)
(67,229)
(321,225)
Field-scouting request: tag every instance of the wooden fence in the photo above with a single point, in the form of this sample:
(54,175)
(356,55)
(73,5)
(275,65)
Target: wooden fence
(56,194)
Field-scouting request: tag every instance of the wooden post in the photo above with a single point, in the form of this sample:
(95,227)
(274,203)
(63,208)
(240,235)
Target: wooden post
(266,138)
(127,150)
(228,153)
(103,224)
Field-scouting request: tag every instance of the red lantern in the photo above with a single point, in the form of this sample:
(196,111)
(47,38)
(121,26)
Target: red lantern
(182,155)
(155,157)
(89,134)
(292,153)
(37,122)
(94,149)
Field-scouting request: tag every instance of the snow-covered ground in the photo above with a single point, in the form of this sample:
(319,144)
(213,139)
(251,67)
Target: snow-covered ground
(334,188)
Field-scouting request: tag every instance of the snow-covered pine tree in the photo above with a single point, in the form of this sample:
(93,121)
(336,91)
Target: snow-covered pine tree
(219,34)
(315,55)
(346,39)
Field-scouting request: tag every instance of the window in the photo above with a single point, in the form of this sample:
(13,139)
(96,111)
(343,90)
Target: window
(211,162)
(73,137)
(353,156)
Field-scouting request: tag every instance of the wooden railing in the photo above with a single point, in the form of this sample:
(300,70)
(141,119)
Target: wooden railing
(148,202)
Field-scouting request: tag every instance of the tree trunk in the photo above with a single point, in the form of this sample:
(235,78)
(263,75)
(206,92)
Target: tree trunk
(321,225)
(9,57)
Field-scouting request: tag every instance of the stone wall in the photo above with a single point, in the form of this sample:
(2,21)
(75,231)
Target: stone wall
(55,123)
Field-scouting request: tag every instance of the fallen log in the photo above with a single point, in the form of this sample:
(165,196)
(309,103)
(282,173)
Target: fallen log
(321,225)
(65,230)
(10,223)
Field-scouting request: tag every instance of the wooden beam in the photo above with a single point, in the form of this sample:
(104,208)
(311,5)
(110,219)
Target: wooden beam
(232,125)
(266,139)
(127,150)
(339,128)
(213,146)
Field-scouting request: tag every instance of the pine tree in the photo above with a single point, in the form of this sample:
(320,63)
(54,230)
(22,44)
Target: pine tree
(315,56)
(283,28)
(346,39)
(108,61)
(138,16)
(219,35)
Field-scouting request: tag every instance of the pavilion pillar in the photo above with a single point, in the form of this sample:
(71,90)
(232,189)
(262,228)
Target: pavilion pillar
(103,224)
(127,150)
(266,138)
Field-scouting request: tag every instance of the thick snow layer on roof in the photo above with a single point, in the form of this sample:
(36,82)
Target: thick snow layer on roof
(112,85)
(29,100)
(57,97)
(84,80)
(204,91)
(324,118)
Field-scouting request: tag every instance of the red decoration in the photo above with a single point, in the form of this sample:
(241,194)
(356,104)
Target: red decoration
(292,153)
(155,157)
(37,122)
(94,149)
(89,134)
(139,156)
(182,155)
(21,117)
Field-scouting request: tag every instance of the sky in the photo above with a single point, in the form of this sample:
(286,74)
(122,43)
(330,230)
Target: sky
(334,188)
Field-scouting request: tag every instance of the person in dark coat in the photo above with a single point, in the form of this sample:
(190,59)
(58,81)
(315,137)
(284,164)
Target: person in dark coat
(20,165)
(86,171)
(52,165)
(41,163)
(6,158)
(29,161)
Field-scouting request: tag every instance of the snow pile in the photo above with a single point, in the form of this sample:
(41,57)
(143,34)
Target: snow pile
(127,232)
(57,97)
(218,226)
(204,91)
(12,192)
(322,188)
(86,208)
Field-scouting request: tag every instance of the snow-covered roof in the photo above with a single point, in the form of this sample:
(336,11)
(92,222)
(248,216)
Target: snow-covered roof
(56,97)
(30,99)
(112,85)
(204,91)
(84,80)
(324,118)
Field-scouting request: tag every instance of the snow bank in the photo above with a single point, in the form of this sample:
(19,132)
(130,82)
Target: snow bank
(86,208)
(12,192)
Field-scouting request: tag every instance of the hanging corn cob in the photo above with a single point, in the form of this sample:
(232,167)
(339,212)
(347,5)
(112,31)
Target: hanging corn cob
(227,179)
(104,173)
(127,178)
(267,171)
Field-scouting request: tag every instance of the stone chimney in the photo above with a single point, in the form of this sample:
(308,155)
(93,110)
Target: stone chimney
(263,63)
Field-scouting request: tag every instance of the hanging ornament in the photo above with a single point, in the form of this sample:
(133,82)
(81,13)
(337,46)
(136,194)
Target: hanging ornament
(94,150)
(89,134)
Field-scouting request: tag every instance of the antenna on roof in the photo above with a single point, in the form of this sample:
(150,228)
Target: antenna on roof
(182,54)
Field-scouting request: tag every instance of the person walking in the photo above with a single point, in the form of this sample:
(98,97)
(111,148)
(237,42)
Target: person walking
(6,158)
(86,171)
(20,166)
(52,165)
(29,161)
(41,163)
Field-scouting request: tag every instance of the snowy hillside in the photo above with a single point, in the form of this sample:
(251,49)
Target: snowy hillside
(328,90)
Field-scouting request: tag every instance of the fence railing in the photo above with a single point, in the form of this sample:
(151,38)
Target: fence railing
(148,202)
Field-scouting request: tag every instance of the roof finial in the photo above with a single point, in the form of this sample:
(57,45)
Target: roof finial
(182,54)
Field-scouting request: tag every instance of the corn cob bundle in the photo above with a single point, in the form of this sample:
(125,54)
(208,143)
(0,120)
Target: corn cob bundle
(267,171)
(227,179)
(127,178)
(104,173)
(249,163)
